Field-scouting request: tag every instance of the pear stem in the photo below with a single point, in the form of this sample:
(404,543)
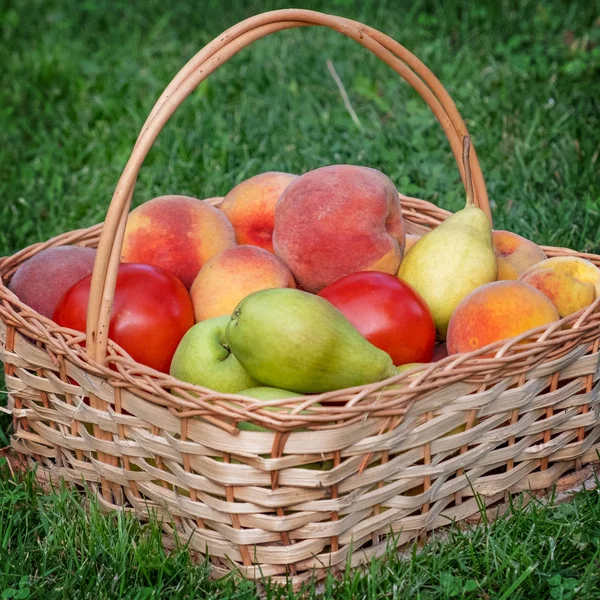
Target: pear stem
(467,167)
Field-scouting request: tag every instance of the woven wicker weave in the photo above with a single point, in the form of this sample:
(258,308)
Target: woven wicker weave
(387,455)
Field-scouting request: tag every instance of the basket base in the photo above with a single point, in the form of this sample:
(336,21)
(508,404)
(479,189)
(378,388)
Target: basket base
(566,478)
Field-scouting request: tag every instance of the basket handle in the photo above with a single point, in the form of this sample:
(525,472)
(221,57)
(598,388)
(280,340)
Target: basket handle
(211,57)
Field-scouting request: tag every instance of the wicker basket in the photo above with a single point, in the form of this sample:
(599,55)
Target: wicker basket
(388,458)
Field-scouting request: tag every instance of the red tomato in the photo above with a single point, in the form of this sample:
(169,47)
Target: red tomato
(151,312)
(388,312)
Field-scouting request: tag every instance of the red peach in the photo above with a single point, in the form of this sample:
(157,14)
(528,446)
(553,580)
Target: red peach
(338,220)
(42,279)
(176,233)
(250,206)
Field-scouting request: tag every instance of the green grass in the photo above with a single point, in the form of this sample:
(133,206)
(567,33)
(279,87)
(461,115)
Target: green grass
(79,78)
(53,547)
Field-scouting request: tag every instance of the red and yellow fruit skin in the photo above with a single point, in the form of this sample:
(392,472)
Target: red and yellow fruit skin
(338,220)
(515,254)
(250,206)
(571,282)
(226,279)
(176,233)
(497,311)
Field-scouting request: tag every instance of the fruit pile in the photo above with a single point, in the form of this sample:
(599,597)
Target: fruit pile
(307,284)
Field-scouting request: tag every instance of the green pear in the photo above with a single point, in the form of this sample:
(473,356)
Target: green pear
(402,369)
(203,358)
(265,393)
(408,367)
(290,339)
(448,263)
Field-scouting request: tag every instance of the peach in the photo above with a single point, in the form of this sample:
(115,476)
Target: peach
(572,283)
(250,206)
(515,254)
(41,280)
(497,311)
(338,220)
(225,280)
(177,233)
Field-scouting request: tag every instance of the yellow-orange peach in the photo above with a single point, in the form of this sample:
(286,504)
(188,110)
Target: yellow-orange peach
(229,277)
(338,220)
(177,233)
(497,311)
(515,254)
(572,283)
(250,206)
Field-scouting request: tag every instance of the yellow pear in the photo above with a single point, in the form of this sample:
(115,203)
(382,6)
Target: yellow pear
(454,259)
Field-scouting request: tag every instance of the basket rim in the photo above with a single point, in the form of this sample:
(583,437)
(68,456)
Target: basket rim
(546,343)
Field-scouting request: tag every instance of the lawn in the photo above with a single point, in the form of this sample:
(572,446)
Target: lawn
(79,78)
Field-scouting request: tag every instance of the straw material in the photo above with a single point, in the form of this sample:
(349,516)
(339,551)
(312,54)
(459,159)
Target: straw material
(321,488)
